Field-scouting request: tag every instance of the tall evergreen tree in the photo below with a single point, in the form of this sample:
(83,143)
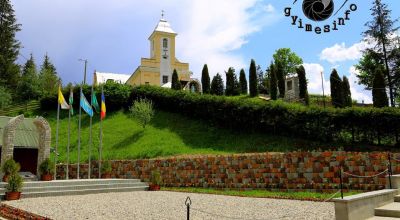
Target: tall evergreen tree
(48,78)
(9,46)
(217,85)
(232,85)
(347,101)
(379,95)
(273,82)
(301,73)
(28,86)
(336,89)
(380,32)
(253,82)
(205,80)
(176,84)
(280,76)
(243,82)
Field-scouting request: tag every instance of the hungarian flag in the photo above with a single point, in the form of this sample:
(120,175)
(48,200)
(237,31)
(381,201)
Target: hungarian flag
(71,101)
(95,104)
(103,107)
(86,105)
(61,100)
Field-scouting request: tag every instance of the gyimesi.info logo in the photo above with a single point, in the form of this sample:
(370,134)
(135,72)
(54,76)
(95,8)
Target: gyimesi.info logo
(318,11)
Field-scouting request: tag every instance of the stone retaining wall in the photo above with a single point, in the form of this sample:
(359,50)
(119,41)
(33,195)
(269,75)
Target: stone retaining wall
(295,170)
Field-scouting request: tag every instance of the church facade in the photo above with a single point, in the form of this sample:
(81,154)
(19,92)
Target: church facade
(157,70)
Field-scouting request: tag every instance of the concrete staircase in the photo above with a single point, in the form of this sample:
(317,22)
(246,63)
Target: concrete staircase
(77,187)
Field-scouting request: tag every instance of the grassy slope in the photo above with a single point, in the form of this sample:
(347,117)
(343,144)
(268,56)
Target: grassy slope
(168,134)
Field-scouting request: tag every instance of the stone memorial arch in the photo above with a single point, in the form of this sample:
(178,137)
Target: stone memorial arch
(43,132)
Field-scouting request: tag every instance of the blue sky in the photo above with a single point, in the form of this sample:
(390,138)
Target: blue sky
(113,35)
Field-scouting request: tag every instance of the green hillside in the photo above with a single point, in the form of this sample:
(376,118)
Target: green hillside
(168,134)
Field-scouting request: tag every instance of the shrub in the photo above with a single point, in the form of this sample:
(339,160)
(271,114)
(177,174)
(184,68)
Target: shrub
(10,167)
(15,183)
(47,167)
(217,85)
(106,167)
(142,110)
(156,178)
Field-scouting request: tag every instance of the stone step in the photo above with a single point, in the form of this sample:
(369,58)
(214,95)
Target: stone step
(82,192)
(81,187)
(382,218)
(74,182)
(389,210)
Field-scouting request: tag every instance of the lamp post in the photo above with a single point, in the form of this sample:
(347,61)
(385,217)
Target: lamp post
(84,76)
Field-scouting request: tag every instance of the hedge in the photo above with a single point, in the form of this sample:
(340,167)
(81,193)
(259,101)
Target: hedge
(325,124)
(356,124)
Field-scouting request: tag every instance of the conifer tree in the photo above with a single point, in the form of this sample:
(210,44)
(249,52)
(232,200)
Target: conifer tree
(273,82)
(253,82)
(9,46)
(379,95)
(336,89)
(217,85)
(280,76)
(232,85)
(28,86)
(243,82)
(303,93)
(176,84)
(347,101)
(205,80)
(48,78)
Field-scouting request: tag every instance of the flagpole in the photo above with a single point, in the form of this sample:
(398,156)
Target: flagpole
(69,135)
(79,132)
(90,136)
(101,135)
(58,119)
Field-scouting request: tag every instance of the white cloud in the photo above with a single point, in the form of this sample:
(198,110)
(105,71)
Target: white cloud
(212,35)
(313,71)
(340,53)
(357,91)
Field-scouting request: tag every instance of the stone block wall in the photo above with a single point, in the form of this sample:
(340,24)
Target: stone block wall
(294,170)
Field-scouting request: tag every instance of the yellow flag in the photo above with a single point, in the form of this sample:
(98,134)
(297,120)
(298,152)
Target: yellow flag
(61,100)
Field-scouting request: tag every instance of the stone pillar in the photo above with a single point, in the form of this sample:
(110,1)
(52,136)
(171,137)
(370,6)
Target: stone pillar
(44,130)
(7,150)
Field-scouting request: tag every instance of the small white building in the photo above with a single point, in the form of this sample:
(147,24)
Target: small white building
(101,78)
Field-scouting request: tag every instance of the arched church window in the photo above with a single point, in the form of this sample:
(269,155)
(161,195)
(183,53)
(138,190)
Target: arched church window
(165,43)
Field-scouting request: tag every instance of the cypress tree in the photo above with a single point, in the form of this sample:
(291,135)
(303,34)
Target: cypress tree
(253,82)
(273,82)
(347,101)
(243,82)
(379,95)
(217,85)
(336,89)
(301,73)
(205,80)
(176,84)
(9,46)
(232,84)
(280,76)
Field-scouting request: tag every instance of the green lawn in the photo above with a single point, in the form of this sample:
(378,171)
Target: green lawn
(303,195)
(168,134)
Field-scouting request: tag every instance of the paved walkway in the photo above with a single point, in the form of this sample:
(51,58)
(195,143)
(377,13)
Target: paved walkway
(170,205)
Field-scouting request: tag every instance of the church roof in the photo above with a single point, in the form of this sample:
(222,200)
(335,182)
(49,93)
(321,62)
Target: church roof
(164,26)
(103,77)
(26,133)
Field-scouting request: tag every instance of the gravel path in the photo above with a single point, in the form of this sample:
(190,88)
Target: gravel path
(170,205)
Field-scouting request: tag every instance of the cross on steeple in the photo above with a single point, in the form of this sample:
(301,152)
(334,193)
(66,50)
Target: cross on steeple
(162,14)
